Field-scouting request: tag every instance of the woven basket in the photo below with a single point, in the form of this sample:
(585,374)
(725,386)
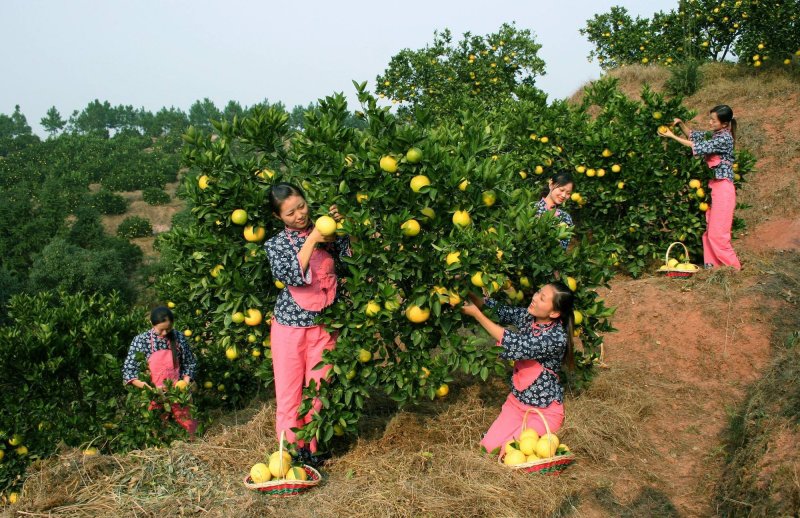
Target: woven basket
(675,272)
(549,466)
(284,488)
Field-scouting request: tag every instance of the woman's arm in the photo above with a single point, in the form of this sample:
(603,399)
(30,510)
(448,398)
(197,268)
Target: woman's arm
(495,331)
(680,140)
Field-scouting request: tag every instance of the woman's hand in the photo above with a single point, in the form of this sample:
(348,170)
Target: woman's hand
(316,237)
(676,121)
(333,210)
(666,134)
(470,309)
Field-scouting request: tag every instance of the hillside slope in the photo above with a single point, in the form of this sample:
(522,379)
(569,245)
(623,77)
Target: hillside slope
(650,432)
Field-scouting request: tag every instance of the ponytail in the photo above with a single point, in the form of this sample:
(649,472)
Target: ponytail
(564,303)
(733,128)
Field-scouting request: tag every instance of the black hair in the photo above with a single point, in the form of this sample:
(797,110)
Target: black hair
(559,179)
(725,115)
(279,193)
(160,315)
(564,303)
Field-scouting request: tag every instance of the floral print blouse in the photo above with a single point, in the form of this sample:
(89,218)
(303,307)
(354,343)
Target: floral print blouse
(541,208)
(721,144)
(282,250)
(141,344)
(545,343)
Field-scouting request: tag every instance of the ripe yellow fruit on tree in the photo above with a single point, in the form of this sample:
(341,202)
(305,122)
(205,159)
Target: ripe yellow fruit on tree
(239,216)
(703,207)
(578,316)
(388,164)
(443,390)
(453,257)
(231,353)
(462,219)
(372,309)
(489,198)
(616,168)
(694,183)
(414,155)
(326,225)
(254,234)
(418,182)
(410,228)
(607,153)
(253,317)
(202,182)
(477,279)
(428,213)
(417,315)
(182,385)
(364,356)
(463,185)
(572,283)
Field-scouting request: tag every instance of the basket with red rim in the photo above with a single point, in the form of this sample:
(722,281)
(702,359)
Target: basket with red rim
(672,268)
(547,466)
(282,488)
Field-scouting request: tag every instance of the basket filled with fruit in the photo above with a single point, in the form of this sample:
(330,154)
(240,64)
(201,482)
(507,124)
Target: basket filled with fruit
(673,268)
(532,453)
(279,478)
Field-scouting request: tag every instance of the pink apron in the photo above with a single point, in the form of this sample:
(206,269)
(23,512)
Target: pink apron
(321,291)
(164,365)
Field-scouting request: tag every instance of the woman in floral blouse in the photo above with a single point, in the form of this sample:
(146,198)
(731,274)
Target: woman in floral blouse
(717,152)
(558,190)
(540,345)
(304,260)
(168,356)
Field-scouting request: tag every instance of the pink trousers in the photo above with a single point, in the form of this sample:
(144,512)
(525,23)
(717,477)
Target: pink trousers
(508,424)
(717,248)
(295,352)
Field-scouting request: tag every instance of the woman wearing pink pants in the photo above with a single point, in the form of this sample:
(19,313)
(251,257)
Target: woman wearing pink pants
(717,152)
(302,259)
(542,341)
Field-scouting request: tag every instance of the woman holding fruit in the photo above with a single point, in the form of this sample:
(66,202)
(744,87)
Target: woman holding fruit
(558,190)
(539,348)
(302,257)
(168,357)
(718,154)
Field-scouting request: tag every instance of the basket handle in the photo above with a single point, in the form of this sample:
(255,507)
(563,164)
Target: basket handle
(280,449)
(525,420)
(686,251)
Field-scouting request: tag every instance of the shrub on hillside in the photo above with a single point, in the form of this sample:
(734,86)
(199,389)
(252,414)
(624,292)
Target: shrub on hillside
(134,226)
(155,196)
(108,202)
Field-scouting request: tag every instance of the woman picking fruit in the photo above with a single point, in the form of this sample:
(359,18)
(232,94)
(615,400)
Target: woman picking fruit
(301,256)
(168,358)
(542,342)
(558,190)
(717,152)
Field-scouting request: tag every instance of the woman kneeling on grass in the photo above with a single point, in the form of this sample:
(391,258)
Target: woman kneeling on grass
(542,342)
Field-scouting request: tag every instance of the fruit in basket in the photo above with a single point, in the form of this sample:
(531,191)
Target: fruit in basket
(685,267)
(531,458)
(672,263)
(297,473)
(562,449)
(528,444)
(547,445)
(529,432)
(514,457)
(511,445)
(260,473)
(277,468)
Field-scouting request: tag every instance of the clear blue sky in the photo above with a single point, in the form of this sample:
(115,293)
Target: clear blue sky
(154,53)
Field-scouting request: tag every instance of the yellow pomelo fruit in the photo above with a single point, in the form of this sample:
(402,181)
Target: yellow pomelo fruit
(364,356)
(528,445)
(578,316)
(477,279)
(529,432)
(418,315)
(572,283)
(388,164)
(202,182)
(279,467)
(410,228)
(254,234)
(297,473)
(546,445)
(326,225)
(182,385)
(231,353)
(453,257)
(514,457)
(443,390)
(253,317)
(260,473)
(462,219)
(373,308)
(239,216)
(419,181)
